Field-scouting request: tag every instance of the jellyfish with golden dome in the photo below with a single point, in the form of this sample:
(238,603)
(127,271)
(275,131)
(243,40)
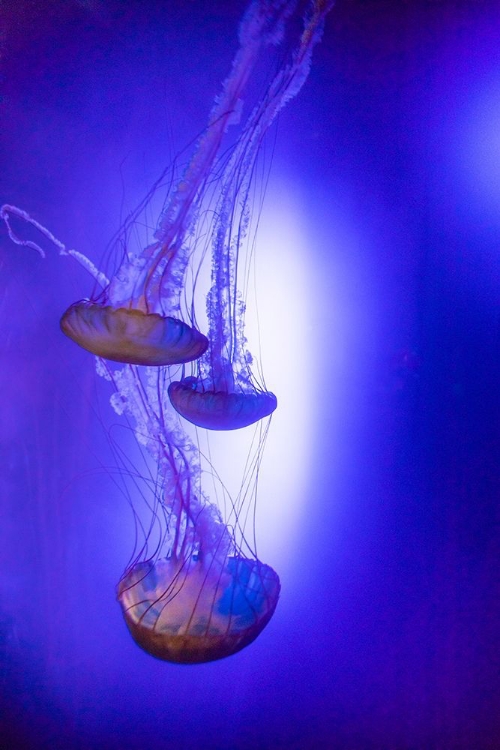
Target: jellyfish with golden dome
(136,318)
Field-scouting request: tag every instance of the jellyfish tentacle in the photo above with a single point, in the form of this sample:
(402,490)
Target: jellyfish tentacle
(7,209)
(149,283)
(225,396)
(82,259)
(262,25)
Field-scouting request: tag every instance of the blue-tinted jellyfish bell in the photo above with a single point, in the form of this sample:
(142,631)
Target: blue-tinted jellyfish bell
(224,394)
(190,611)
(219,407)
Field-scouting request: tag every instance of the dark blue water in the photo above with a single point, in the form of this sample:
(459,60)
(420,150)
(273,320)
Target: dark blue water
(387,632)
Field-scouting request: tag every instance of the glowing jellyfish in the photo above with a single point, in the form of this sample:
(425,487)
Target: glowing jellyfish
(224,394)
(136,318)
(203,594)
(190,611)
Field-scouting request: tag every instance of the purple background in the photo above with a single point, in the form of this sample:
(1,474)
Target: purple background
(386,635)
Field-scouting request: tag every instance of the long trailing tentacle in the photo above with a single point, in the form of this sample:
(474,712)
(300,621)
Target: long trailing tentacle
(6,210)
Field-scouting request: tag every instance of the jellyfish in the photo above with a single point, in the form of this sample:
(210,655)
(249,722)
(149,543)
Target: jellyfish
(136,318)
(202,594)
(225,394)
(191,611)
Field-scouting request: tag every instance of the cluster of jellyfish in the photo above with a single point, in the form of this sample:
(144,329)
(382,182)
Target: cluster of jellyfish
(203,594)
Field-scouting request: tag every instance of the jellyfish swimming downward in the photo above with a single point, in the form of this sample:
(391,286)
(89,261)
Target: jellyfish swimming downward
(224,394)
(136,318)
(198,591)
(203,594)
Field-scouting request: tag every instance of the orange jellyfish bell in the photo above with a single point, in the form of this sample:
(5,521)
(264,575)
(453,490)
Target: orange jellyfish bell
(132,336)
(192,611)
(222,409)
(153,277)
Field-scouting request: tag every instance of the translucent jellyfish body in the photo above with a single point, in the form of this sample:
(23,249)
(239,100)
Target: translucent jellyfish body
(136,322)
(132,336)
(196,612)
(137,318)
(219,409)
(224,394)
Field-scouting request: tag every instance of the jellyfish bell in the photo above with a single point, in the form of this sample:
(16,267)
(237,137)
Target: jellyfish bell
(138,321)
(197,611)
(223,395)
(199,597)
(203,594)
(132,336)
(220,409)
